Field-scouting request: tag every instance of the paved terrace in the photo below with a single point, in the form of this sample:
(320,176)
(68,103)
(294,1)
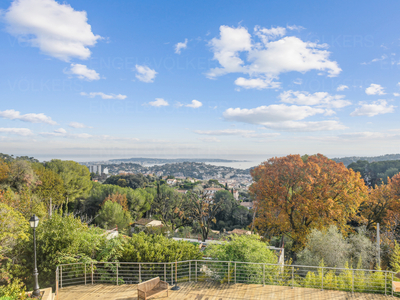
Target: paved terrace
(211,291)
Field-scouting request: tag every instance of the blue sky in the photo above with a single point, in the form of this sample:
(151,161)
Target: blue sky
(90,80)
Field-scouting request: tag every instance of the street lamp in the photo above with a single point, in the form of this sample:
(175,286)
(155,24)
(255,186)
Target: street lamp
(34,222)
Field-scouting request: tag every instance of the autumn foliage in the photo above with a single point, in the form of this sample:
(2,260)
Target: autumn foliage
(294,195)
(117,198)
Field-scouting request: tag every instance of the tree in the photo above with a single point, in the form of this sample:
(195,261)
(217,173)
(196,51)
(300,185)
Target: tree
(112,215)
(76,177)
(293,196)
(134,181)
(172,207)
(203,210)
(117,198)
(21,175)
(50,185)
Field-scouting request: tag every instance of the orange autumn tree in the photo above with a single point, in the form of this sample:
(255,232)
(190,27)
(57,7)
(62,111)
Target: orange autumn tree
(117,198)
(294,195)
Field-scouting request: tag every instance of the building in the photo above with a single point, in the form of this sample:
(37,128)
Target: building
(248,205)
(143,223)
(182,191)
(95,169)
(105,171)
(236,195)
(171,181)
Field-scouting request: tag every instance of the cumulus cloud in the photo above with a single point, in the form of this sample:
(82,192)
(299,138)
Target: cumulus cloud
(104,96)
(375,89)
(158,102)
(321,99)
(273,113)
(145,74)
(180,46)
(342,87)
(282,117)
(17,131)
(56,29)
(31,118)
(194,104)
(78,125)
(270,57)
(396,94)
(376,108)
(82,72)
(257,83)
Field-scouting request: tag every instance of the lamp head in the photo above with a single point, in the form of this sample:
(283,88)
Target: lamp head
(34,221)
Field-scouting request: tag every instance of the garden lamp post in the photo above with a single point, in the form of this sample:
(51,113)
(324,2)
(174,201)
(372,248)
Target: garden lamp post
(34,222)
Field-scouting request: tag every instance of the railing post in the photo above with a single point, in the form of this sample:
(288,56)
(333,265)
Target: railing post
(392,284)
(352,281)
(385,282)
(140,273)
(292,277)
(117,273)
(92,273)
(172,274)
(229,269)
(85,273)
(190,269)
(57,278)
(196,270)
(60,276)
(235,272)
(322,279)
(165,272)
(263,275)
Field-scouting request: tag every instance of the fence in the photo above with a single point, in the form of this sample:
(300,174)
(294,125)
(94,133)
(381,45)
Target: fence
(351,280)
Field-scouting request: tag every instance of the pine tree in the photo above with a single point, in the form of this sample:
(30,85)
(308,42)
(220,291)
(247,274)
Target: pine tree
(395,258)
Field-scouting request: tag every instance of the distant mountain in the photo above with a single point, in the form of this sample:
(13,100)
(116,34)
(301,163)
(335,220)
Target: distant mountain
(151,161)
(348,160)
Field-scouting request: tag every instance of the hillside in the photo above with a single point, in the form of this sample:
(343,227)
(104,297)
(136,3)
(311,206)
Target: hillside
(348,160)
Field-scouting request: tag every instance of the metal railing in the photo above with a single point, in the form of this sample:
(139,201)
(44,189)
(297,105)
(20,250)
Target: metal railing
(324,278)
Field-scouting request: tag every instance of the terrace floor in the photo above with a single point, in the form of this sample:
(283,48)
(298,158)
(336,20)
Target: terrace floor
(210,291)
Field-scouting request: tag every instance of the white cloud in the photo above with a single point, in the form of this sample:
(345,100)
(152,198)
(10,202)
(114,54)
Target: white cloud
(180,46)
(268,59)
(282,117)
(145,74)
(83,72)
(375,89)
(342,87)
(56,29)
(257,83)
(376,108)
(322,99)
(298,81)
(17,131)
(306,126)
(31,118)
(61,132)
(104,96)
(396,94)
(272,113)
(78,125)
(194,104)
(159,102)
(210,140)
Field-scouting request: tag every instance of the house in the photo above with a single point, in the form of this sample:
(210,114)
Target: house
(212,190)
(143,222)
(236,194)
(182,191)
(248,205)
(239,232)
(171,181)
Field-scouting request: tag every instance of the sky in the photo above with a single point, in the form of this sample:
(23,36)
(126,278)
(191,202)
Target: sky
(95,80)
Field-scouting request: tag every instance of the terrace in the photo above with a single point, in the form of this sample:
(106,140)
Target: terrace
(216,280)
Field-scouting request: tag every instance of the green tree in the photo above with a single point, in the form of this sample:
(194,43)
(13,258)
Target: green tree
(50,185)
(203,210)
(157,248)
(395,258)
(112,214)
(172,207)
(76,177)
